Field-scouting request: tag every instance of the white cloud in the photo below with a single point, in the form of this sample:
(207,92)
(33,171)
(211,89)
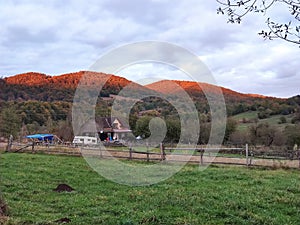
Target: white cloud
(251,68)
(55,37)
(145,73)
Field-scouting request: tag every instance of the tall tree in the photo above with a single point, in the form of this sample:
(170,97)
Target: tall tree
(10,122)
(293,135)
(142,127)
(231,126)
(266,135)
(174,130)
(65,130)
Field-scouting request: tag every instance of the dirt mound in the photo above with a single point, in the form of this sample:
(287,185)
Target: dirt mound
(3,208)
(63,220)
(3,211)
(63,188)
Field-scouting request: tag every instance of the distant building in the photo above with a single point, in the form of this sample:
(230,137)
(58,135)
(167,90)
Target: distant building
(107,128)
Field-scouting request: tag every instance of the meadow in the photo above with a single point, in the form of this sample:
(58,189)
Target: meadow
(250,117)
(217,195)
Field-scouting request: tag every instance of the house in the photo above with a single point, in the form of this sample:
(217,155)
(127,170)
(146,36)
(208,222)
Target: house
(107,128)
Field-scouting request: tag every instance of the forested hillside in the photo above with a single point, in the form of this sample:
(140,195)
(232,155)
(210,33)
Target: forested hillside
(35,102)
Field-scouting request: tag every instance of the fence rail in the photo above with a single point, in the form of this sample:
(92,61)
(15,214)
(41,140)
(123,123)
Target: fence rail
(201,155)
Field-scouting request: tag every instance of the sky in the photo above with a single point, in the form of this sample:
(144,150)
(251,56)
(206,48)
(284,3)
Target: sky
(56,37)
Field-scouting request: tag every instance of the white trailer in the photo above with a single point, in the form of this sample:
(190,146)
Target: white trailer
(85,140)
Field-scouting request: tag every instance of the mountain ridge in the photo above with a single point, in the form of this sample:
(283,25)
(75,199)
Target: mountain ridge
(71,80)
(166,87)
(43,88)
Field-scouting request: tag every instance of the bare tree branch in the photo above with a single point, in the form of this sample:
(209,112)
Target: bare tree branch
(236,10)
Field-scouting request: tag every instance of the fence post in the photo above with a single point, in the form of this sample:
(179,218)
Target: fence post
(100,149)
(130,153)
(251,157)
(32,147)
(247,155)
(162,152)
(9,143)
(299,157)
(201,156)
(147,145)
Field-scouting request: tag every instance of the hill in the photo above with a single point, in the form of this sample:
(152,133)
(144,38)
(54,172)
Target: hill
(36,102)
(235,102)
(42,87)
(198,89)
(46,88)
(69,80)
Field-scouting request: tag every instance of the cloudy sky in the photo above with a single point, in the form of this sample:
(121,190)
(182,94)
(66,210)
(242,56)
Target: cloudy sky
(56,37)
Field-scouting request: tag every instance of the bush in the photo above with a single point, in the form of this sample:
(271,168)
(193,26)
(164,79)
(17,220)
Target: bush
(282,120)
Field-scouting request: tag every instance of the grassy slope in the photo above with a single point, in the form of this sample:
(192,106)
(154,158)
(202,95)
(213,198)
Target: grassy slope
(218,195)
(272,120)
(247,115)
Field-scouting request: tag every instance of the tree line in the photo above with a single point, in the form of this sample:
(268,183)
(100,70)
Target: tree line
(27,117)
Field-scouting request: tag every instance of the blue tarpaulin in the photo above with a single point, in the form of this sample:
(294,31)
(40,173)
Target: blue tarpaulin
(41,137)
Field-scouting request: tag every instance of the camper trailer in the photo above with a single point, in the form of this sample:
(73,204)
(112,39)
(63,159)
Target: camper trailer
(84,140)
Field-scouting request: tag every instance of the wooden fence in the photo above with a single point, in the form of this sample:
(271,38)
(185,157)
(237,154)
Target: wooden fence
(202,155)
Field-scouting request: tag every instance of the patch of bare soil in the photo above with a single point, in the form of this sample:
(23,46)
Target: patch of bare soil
(63,188)
(63,220)
(3,211)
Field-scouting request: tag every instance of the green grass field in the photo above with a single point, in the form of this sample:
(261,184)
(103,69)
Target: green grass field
(251,115)
(247,115)
(217,195)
